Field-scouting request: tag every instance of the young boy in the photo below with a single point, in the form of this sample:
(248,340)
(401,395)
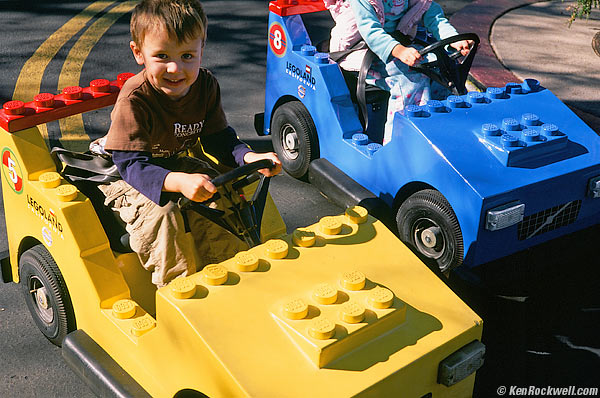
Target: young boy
(159,113)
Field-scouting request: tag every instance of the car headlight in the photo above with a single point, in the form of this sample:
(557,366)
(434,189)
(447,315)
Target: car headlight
(504,216)
(594,187)
(461,364)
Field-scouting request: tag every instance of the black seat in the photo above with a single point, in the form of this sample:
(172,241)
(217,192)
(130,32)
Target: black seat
(86,171)
(318,26)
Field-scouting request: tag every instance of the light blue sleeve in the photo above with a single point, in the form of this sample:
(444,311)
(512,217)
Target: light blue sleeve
(371,30)
(437,24)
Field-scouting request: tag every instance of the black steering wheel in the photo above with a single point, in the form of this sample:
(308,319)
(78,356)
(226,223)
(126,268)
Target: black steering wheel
(243,217)
(449,69)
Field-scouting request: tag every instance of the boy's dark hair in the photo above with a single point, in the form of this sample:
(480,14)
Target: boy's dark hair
(183,20)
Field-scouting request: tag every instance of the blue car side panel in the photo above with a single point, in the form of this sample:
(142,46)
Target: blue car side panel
(319,86)
(517,143)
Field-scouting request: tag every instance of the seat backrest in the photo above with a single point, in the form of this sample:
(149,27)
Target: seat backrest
(86,171)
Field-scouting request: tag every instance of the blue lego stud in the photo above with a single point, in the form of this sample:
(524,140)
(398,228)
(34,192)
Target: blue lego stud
(530,119)
(510,124)
(435,106)
(454,101)
(530,135)
(514,88)
(531,85)
(490,129)
(322,58)
(495,92)
(308,50)
(373,147)
(360,139)
(475,97)
(509,141)
(549,129)
(413,111)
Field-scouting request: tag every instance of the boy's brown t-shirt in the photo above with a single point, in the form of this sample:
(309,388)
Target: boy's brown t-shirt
(146,120)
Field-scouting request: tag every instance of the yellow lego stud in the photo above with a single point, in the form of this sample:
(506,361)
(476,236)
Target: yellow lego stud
(381,298)
(182,288)
(295,309)
(357,214)
(330,225)
(303,237)
(246,261)
(123,309)
(50,179)
(325,294)
(352,312)
(66,193)
(353,280)
(142,325)
(215,274)
(321,328)
(276,248)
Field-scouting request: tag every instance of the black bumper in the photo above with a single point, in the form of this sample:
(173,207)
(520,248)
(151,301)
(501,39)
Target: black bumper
(100,372)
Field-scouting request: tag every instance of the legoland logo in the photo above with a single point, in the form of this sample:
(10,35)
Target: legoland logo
(304,75)
(48,216)
(11,170)
(277,39)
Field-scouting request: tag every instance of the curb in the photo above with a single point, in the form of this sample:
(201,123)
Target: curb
(487,70)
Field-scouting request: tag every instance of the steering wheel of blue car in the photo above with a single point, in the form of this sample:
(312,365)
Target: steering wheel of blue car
(451,70)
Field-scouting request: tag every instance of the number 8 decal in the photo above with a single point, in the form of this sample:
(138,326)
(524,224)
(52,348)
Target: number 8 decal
(277,39)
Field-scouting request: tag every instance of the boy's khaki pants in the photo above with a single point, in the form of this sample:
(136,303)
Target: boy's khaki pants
(158,236)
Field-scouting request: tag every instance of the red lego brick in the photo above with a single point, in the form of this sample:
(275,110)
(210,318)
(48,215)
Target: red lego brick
(46,107)
(294,7)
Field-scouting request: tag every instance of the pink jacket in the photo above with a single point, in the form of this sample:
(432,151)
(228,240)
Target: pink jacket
(345,32)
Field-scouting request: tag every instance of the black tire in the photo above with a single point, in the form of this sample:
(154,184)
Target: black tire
(596,43)
(294,138)
(427,223)
(46,294)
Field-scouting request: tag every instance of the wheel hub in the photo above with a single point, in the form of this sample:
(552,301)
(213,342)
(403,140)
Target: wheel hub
(42,301)
(429,238)
(290,141)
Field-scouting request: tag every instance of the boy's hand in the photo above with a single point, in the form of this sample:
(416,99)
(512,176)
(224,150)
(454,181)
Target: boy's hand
(253,157)
(464,46)
(196,187)
(409,55)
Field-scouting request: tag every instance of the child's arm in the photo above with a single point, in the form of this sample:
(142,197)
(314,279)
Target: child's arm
(140,171)
(228,149)
(408,55)
(253,157)
(196,186)
(439,26)
(372,31)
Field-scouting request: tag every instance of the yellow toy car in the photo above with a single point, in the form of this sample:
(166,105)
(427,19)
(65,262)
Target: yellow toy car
(337,309)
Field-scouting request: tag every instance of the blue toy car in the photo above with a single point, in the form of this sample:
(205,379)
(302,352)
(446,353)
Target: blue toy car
(468,180)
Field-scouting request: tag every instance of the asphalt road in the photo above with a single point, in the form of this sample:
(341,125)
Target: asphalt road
(541,307)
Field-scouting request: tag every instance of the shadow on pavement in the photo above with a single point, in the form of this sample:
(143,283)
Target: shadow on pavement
(541,309)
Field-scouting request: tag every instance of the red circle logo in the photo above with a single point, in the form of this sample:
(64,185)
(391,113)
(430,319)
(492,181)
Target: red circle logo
(12,170)
(277,39)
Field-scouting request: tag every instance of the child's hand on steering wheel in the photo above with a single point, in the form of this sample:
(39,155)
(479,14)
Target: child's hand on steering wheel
(464,46)
(272,156)
(409,55)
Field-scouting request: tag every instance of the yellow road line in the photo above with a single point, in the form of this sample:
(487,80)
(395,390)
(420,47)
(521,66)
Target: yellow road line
(30,79)
(73,132)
